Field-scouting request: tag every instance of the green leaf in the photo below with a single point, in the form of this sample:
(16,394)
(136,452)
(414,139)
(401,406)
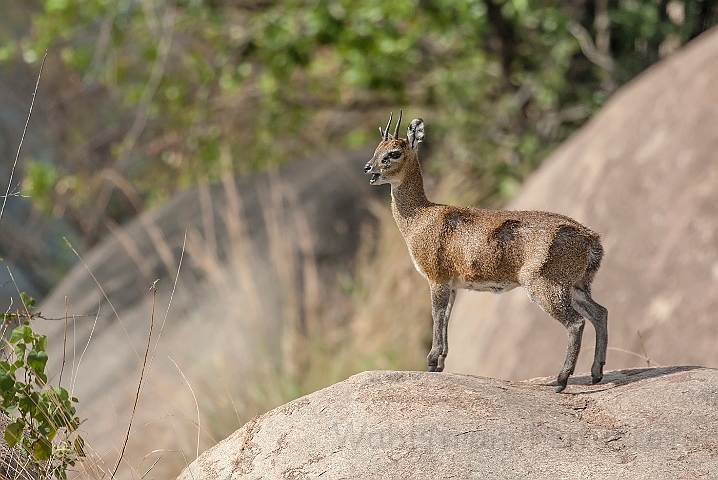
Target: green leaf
(42,179)
(27,403)
(20,350)
(40,343)
(37,361)
(61,393)
(23,332)
(7,381)
(47,431)
(13,432)
(27,300)
(43,449)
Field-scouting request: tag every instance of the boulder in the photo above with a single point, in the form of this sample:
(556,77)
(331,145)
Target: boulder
(642,423)
(644,173)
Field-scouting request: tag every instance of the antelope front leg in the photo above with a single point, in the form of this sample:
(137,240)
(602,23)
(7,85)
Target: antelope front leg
(445,330)
(441,302)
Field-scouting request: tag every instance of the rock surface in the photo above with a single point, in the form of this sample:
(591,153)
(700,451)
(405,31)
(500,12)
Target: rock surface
(644,173)
(641,423)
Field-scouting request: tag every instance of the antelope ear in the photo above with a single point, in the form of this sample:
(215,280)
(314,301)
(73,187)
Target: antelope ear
(415,133)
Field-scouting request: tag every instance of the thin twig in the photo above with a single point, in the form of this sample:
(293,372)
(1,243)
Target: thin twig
(60,319)
(104,294)
(73,379)
(159,335)
(142,376)
(22,138)
(231,400)
(15,193)
(153,466)
(64,344)
(12,278)
(643,347)
(199,421)
(169,304)
(74,345)
(6,322)
(635,355)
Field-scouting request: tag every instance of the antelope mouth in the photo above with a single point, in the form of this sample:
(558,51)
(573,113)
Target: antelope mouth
(374,178)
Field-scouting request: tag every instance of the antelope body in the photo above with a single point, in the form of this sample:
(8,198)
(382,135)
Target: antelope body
(553,257)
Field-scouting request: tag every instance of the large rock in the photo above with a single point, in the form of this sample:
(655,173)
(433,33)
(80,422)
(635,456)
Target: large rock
(644,173)
(643,423)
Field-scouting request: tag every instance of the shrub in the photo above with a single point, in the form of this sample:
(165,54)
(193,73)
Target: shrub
(43,421)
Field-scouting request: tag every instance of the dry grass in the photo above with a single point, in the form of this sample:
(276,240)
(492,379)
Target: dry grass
(314,329)
(325,334)
(320,328)
(370,319)
(391,327)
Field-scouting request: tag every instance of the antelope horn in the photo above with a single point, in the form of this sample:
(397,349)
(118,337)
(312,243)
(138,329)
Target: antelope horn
(398,122)
(386,130)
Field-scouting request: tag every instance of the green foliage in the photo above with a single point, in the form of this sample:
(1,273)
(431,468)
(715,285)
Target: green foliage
(499,82)
(43,421)
(22,314)
(40,182)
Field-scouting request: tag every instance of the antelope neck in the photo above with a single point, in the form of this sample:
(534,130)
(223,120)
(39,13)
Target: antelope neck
(408,197)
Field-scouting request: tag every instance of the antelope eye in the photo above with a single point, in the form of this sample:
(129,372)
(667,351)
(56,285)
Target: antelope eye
(395,154)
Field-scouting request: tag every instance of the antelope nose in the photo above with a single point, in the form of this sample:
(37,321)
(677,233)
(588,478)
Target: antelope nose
(367,167)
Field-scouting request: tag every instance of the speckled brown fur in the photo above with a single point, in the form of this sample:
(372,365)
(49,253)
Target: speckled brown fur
(553,257)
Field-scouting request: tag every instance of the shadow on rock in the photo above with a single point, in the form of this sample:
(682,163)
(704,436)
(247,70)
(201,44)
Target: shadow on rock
(613,379)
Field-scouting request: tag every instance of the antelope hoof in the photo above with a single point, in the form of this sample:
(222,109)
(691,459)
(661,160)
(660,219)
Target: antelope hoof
(440,366)
(561,383)
(436,367)
(597,374)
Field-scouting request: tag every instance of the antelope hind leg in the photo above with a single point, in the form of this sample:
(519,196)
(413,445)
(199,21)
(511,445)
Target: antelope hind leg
(555,300)
(598,315)
(574,327)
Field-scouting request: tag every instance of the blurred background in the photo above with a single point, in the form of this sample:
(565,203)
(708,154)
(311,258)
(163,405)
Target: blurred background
(217,146)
